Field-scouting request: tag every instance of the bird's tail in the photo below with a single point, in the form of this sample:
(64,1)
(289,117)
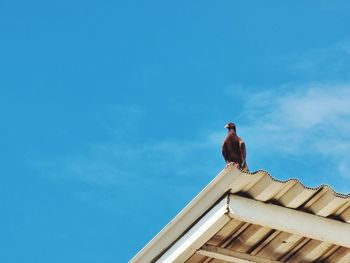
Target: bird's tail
(244,167)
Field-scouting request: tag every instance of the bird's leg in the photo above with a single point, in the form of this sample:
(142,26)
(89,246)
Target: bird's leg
(232,163)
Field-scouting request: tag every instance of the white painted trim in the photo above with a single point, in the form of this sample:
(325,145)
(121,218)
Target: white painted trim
(231,256)
(194,210)
(198,235)
(290,220)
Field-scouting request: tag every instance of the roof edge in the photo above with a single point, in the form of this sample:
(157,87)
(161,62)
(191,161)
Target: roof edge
(224,182)
(187,216)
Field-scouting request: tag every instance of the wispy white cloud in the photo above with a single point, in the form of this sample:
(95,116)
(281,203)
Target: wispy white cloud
(294,120)
(332,61)
(111,170)
(120,162)
(310,119)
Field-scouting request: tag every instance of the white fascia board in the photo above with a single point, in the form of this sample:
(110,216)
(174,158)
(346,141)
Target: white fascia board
(289,220)
(198,235)
(190,214)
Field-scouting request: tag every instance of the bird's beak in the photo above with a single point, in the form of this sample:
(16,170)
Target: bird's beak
(226,127)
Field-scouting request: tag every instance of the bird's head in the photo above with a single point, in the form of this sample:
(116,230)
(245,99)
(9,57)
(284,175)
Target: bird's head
(231,126)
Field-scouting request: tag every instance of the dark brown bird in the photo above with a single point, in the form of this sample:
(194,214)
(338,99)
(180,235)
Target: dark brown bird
(233,148)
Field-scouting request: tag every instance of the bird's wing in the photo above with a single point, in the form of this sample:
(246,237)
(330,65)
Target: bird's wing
(242,150)
(225,152)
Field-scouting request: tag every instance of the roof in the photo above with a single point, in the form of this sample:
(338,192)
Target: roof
(252,217)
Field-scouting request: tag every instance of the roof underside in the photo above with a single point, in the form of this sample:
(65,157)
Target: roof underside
(253,239)
(271,244)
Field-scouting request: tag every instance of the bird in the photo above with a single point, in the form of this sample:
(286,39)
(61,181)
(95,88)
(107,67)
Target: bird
(233,148)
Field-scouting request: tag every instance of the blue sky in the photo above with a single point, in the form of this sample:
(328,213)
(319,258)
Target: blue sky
(112,112)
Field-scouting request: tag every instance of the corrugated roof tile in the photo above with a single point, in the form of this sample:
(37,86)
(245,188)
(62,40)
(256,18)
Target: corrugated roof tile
(265,242)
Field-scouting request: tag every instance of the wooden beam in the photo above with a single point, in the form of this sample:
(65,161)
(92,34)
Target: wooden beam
(231,256)
(289,220)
